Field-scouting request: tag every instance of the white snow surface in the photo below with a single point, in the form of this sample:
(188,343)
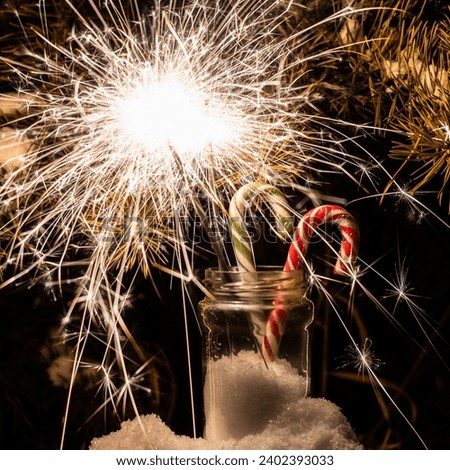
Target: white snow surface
(247,406)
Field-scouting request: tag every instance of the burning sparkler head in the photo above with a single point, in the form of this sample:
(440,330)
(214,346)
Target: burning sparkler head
(164,112)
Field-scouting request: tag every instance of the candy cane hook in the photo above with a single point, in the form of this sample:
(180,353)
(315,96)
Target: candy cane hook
(297,251)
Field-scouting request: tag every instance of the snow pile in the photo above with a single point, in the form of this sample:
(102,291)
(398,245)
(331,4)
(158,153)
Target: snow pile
(247,406)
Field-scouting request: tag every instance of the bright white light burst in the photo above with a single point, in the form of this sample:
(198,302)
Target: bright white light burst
(163,112)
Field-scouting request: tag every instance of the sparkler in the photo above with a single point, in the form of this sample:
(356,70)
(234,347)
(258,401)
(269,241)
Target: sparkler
(138,122)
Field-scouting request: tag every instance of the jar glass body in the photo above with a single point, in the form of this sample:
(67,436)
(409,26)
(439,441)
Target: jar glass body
(255,348)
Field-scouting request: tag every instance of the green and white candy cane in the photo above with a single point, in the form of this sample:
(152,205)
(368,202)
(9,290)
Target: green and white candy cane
(254,194)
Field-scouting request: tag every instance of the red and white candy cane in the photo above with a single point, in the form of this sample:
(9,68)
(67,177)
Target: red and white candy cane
(296,256)
(307,227)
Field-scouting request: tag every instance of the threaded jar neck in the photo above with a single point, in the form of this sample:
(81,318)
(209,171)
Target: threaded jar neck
(268,283)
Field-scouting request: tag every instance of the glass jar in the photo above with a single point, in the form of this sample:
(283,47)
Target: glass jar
(255,348)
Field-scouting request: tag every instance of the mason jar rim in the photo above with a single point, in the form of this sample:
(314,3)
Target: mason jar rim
(216,276)
(267,283)
(260,268)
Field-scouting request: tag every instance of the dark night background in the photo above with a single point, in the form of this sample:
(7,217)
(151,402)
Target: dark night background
(414,365)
